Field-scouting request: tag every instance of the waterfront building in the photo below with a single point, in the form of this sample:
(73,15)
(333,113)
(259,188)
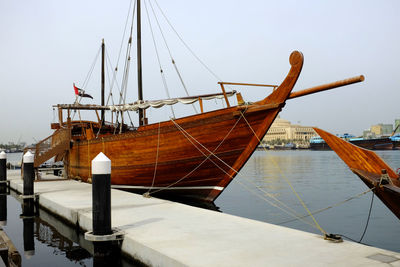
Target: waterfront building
(283,131)
(397,123)
(367,134)
(382,129)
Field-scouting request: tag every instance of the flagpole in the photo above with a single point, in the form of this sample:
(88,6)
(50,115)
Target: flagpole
(102,79)
(139,62)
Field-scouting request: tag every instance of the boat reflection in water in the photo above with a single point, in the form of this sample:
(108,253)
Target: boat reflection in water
(3,205)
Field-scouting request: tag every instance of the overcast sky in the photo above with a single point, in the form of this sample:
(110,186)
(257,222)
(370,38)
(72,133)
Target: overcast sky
(47,45)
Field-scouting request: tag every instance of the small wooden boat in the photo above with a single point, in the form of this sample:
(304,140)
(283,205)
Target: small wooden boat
(371,169)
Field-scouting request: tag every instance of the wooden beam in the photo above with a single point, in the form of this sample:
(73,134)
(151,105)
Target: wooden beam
(226,98)
(327,86)
(249,84)
(201,105)
(60,116)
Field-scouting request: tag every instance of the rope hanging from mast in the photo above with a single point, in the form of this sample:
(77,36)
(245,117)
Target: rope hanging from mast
(158,58)
(170,54)
(186,45)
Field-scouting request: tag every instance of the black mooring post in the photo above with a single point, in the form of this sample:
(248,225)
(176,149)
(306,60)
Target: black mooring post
(3,167)
(101,195)
(3,209)
(28,207)
(29,173)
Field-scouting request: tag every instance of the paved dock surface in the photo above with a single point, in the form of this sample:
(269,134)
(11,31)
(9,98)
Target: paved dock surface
(165,233)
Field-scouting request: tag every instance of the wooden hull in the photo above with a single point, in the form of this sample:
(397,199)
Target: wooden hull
(389,194)
(368,166)
(184,165)
(396,145)
(192,157)
(372,144)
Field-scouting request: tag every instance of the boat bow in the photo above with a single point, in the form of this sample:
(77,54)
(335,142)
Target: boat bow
(371,169)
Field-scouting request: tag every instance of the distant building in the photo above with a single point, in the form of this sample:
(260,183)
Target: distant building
(382,129)
(367,134)
(283,130)
(387,129)
(397,123)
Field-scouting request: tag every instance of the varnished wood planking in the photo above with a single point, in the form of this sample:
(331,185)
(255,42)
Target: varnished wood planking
(133,154)
(356,157)
(367,165)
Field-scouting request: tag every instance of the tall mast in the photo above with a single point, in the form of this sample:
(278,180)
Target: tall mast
(102,80)
(139,62)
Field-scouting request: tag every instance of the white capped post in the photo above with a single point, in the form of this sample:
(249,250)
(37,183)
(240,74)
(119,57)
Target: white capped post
(3,167)
(101,164)
(28,157)
(29,173)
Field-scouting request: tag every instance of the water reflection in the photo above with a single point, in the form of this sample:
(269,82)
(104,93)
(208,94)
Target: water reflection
(28,234)
(321,179)
(37,227)
(3,205)
(57,234)
(107,254)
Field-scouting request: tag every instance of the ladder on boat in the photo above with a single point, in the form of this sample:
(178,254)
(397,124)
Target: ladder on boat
(56,145)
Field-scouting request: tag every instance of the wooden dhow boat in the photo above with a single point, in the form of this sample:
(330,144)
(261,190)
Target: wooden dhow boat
(371,169)
(193,157)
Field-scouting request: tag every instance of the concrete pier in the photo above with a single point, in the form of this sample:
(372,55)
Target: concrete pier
(164,233)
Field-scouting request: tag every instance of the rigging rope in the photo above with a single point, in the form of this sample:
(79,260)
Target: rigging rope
(184,43)
(207,156)
(89,74)
(87,78)
(120,93)
(123,35)
(126,66)
(119,53)
(158,57)
(170,54)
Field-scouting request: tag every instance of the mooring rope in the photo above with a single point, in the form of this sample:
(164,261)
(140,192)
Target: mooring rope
(331,206)
(293,213)
(289,210)
(287,181)
(156,163)
(369,216)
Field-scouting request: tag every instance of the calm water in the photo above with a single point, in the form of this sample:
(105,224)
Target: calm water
(54,243)
(320,178)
